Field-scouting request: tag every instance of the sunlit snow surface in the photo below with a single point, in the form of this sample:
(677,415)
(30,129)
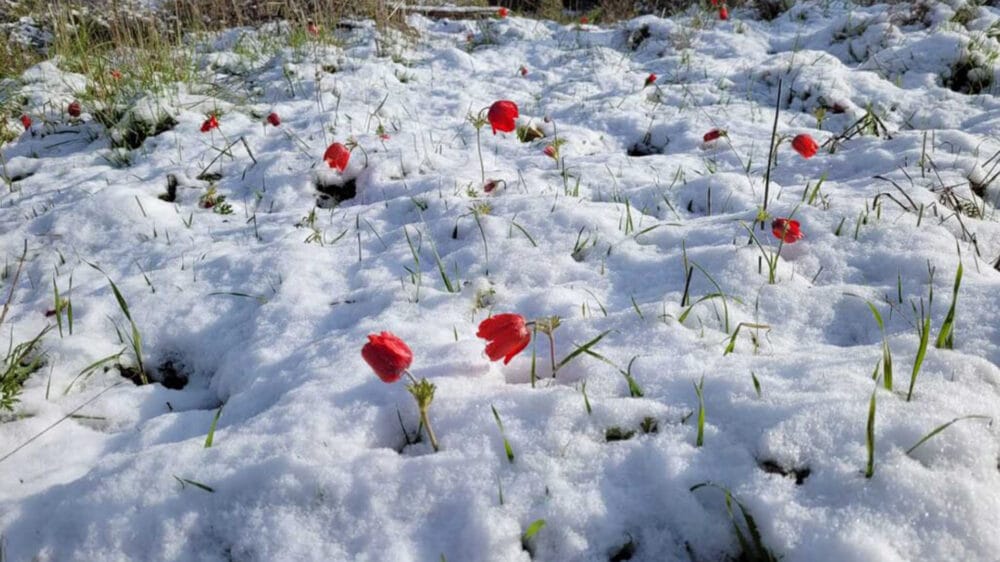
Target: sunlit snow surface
(306,461)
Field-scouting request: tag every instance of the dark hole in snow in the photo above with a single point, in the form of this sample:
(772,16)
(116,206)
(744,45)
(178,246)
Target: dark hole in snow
(637,37)
(167,374)
(624,552)
(799,474)
(171,195)
(332,194)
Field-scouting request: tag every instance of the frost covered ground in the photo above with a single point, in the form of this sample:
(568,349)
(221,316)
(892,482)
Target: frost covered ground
(265,309)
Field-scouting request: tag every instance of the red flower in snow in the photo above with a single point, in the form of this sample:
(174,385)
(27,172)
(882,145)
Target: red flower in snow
(26,121)
(523,70)
(584,20)
(502,115)
(714,134)
(502,12)
(387,355)
(337,156)
(805,145)
(506,334)
(274,119)
(73,109)
(786,230)
(723,13)
(650,79)
(551,151)
(209,124)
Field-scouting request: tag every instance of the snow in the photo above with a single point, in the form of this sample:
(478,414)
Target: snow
(309,461)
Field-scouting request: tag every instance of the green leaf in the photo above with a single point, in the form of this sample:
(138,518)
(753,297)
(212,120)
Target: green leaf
(211,429)
(582,349)
(533,529)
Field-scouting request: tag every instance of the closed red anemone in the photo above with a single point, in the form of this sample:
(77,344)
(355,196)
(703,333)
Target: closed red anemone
(506,334)
(714,134)
(723,13)
(786,230)
(502,116)
(805,145)
(502,12)
(650,79)
(274,119)
(387,355)
(337,156)
(26,121)
(73,109)
(209,124)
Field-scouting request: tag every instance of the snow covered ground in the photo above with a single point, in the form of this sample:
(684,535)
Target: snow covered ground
(266,309)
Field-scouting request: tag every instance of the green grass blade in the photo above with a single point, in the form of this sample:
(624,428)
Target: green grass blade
(582,349)
(210,438)
(943,427)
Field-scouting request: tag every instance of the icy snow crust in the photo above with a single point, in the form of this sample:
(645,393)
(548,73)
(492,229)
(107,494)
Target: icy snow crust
(306,463)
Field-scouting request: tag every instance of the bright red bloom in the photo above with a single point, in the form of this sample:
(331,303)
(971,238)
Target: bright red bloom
(650,79)
(805,145)
(723,13)
(523,70)
(26,121)
(387,355)
(584,20)
(502,115)
(337,156)
(209,124)
(116,74)
(550,151)
(714,134)
(787,230)
(506,334)
(274,119)
(502,12)
(73,109)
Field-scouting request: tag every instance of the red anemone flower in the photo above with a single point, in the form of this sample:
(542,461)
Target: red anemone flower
(274,119)
(787,230)
(73,109)
(506,334)
(650,79)
(523,70)
(584,20)
(723,13)
(26,121)
(714,134)
(337,156)
(209,124)
(502,115)
(502,12)
(805,145)
(387,355)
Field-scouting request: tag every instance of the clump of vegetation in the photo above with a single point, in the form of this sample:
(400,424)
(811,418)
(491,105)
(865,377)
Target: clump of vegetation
(20,363)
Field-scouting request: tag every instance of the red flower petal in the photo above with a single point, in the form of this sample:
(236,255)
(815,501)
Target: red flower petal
(26,121)
(723,13)
(502,116)
(805,145)
(209,124)
(337,156)
(507,335)
(787,230)
(387,355)
(502,12)
(274,119)
(712,135)
(650,79)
